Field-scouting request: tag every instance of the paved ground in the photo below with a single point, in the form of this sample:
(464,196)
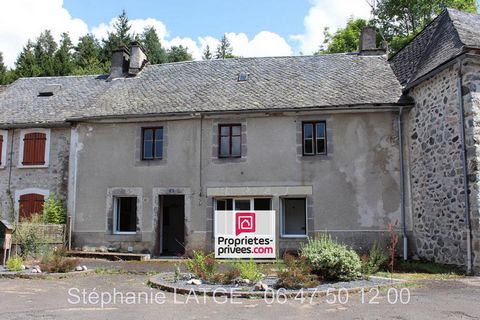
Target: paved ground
(49,299)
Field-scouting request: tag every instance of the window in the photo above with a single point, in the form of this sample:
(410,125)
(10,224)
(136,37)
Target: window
(125,218)
(30,204)
(294,219)
(34,148)
(152,141)
(230,141)
(314,138)
(244,204)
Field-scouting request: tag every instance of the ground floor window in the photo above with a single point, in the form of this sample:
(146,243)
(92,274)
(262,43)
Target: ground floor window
(244,204)
(294,217)
(30,204)
(125,215)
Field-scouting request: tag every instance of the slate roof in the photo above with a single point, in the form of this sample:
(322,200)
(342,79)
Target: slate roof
(3,88)
(446,37)
(203,86)
(273,83)
(20,103)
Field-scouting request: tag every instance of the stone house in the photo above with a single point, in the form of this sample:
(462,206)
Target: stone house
(343,144)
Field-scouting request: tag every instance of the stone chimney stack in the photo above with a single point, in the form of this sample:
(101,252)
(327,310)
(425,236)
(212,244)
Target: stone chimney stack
(120,62)
(138,58)
(368,42)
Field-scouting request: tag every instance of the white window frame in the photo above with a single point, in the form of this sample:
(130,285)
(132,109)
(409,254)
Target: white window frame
(282,218)
(22,146)
(18,193)
(3,160)
(115,214)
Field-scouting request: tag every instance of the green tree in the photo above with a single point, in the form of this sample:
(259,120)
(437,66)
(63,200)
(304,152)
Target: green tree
(207,54)
(63,57)
(44,53)
(178,53)
(345,39)
(121,36)
(401,20)
(3,70)
(224,49)
(151,42)
(26,64)
(86,56)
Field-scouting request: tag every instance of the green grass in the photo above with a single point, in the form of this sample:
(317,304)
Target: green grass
(422,270)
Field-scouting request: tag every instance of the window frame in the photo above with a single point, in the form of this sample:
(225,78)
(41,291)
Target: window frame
(314,137)
(4,149)
(282,218)
(251,199)
(115,214)
(22,148)
(19,193)
(153,143)
(230,135)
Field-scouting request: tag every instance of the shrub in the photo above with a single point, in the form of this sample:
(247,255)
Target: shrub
(248,270)
(296,274)
(376,260)
(54,211)
(331,260)
(31,237)
(15,263)
(58,262)
(202,265)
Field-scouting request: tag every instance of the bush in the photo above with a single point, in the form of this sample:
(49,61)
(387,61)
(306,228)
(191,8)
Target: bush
(54,211)
(331,260)
(376,260)
(248,270)
(296,274)
(202,265)
(14,263)
(58,262)
(31,237)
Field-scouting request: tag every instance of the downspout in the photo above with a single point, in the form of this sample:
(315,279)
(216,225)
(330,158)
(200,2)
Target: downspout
(402,185)
(465,168)
(200,173)
(9,191)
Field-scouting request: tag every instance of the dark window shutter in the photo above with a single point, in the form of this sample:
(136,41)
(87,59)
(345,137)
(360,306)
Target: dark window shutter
(30,204)
(34,148)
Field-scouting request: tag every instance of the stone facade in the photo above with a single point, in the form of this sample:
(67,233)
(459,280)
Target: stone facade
(51,180)
(436,170)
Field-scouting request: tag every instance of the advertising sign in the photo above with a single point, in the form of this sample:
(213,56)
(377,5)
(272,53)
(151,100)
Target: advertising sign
(244,234)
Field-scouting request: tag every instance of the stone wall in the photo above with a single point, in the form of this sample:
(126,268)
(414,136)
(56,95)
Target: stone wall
(436,170)
(471,99)
(53,179)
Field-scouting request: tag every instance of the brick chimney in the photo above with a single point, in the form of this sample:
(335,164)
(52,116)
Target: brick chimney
(368,42)
(120,62)
(138,58)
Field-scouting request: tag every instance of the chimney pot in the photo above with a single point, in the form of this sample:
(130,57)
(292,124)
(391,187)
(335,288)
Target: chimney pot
(138,58)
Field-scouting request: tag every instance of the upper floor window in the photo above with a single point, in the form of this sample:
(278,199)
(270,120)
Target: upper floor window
(34,147)
(314,138)
(230,140)
(152,141)
(3,148)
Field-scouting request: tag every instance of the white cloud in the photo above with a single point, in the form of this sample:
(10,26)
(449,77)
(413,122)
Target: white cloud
(21,20)
(137,27)
(328,13)
(263,44)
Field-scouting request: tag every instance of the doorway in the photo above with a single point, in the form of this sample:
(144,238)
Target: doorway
(172,225)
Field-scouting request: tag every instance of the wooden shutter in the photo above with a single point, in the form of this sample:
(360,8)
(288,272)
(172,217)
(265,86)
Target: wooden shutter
(30,204)
(34,148)
(1,149)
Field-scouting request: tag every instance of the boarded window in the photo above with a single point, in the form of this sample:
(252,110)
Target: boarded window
(152,141)
(126,215)
(34,148)
(30,204)
(294,217)
(314,138)
(1,149)
(230,141)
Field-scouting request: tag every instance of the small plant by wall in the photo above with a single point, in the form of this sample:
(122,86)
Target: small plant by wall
(54,211)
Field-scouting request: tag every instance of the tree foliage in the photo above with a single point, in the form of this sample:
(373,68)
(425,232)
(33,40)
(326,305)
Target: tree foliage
(178,53)
(224,49)
(207,54)
(344,39)
(151,42)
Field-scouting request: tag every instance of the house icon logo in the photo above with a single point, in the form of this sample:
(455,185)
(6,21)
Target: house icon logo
(245,222)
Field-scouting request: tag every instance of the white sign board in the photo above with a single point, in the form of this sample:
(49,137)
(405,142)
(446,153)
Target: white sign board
(244,234)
